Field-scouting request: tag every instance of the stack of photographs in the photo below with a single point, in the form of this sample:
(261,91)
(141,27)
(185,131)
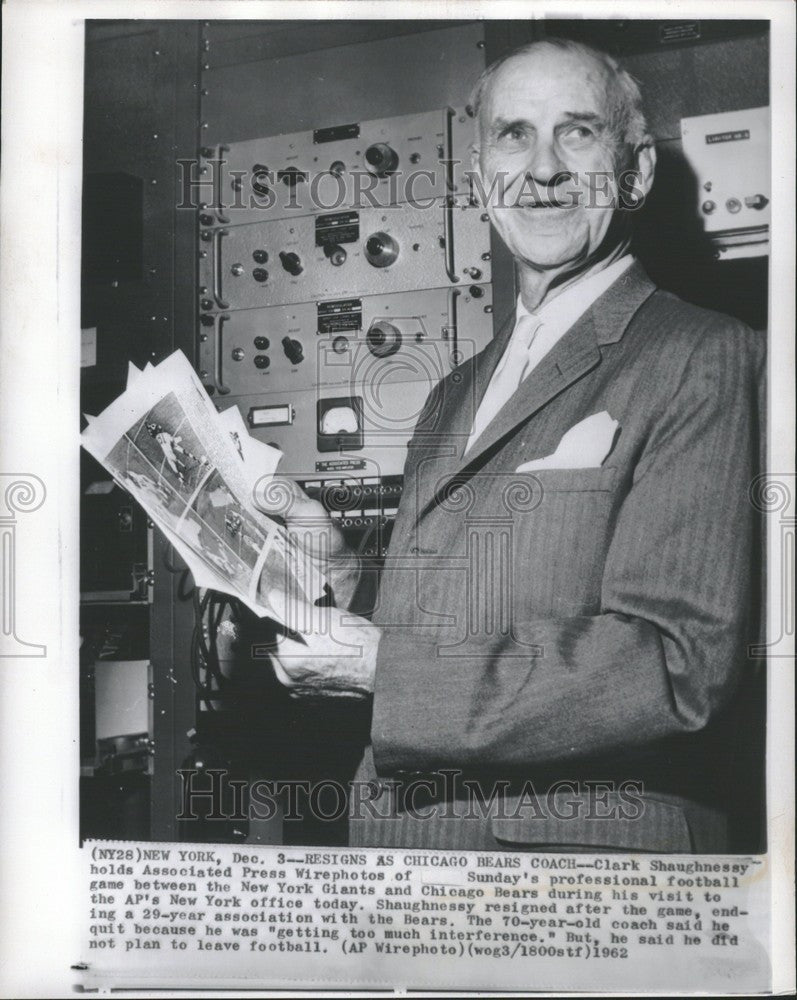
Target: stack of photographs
(195,471)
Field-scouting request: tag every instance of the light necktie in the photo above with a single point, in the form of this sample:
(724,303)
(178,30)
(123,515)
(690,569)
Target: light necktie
(511,371)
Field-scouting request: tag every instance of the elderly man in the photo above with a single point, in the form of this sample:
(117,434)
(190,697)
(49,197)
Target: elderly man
(564,613)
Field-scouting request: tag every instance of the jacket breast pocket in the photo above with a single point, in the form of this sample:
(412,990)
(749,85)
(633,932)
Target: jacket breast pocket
(561,535)
(600,480)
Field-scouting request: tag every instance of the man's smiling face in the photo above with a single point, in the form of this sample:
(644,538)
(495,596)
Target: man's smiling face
(547,136)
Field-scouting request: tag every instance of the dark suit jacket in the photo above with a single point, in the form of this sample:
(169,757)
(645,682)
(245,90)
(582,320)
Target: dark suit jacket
(579,624)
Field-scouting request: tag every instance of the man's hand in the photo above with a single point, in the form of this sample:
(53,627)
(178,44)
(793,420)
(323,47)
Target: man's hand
(313,530)
(335,655)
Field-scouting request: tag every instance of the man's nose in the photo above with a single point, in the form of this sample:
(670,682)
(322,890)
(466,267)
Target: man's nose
(546,165)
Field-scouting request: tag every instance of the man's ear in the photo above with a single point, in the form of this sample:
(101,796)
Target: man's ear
(645,156)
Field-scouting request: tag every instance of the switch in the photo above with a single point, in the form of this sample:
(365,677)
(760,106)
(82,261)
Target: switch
(260,256)
(294,351)
(757,201)
(383,339)
(291,262)
(262,361)
(206,220)
(381,250)
(335,254)
(260,274)
(340,345)
(262,343)
(260,179)
(382,159)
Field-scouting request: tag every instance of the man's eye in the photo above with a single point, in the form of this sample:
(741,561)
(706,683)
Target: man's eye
(514,133)
(579,133)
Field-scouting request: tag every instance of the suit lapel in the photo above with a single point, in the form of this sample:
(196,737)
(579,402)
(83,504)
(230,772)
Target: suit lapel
(462,392)
(577,353)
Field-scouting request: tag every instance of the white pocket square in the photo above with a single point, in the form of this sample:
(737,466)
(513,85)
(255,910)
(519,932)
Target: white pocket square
(584,446)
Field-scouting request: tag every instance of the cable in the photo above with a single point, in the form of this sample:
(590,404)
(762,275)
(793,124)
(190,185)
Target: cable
(206,672)
(183,593)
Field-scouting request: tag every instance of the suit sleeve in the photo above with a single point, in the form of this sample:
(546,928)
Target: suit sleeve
(667,649)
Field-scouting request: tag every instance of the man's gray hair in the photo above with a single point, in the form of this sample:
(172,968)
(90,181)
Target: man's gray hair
(627,115)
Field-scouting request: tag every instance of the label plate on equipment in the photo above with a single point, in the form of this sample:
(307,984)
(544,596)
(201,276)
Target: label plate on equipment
(336,132)
(339,465)
(340,227)
(342,314)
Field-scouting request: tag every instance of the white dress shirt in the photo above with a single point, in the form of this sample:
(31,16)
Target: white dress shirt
(549,324)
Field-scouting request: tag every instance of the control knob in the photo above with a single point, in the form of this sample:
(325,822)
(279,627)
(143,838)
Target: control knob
(294,351)
(291,262)
(382,159)
(340,345)
(335,254)
(383,339)
(381,250)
